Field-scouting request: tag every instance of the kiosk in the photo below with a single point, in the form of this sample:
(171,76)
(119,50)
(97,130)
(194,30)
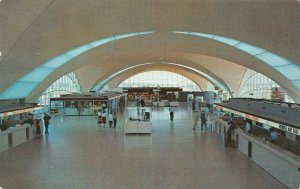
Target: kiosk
(87,104)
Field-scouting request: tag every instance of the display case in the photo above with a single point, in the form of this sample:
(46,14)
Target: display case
(138,120)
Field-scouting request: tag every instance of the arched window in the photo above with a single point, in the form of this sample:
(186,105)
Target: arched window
(161,78)
(257,85)
(64,85)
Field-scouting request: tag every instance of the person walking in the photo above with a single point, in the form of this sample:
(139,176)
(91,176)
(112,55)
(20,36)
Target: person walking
(194,105)
(142,103)
(137,101)
(228,133)
(46,122)
(171,110)
(196,119)
(203,120)
(206,111)
(115,119)
(104,114)
(110,119)
(100,118)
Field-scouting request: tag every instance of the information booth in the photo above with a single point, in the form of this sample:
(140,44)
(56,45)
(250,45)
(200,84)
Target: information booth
(138,120)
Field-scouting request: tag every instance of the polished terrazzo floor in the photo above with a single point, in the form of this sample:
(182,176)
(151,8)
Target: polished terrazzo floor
(79,155)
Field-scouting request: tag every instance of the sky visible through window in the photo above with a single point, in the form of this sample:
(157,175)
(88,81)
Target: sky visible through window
(161,78)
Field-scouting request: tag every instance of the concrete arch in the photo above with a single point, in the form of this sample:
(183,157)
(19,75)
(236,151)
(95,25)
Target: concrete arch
(38,26)
(119,48)
(103,64)
(268,70)
(195,77)
(146,66)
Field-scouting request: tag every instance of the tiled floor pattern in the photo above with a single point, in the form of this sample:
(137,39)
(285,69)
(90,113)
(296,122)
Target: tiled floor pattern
(80,155)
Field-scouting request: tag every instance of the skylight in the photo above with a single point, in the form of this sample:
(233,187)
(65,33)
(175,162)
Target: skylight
(287,68)
(24,86)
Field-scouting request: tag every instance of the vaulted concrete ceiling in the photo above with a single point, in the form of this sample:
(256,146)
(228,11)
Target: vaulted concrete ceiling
(33,31)
(199,80)
(115,81)
(101,72)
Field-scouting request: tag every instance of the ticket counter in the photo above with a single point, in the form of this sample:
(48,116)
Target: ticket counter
(16,125)
(278,161)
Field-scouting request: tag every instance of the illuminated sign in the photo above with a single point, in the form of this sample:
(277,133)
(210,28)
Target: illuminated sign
(20,111)
(251,117)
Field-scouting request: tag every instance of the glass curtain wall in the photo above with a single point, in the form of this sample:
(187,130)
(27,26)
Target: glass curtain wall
(210,87)
(64,85)
(161,78)
(257,85)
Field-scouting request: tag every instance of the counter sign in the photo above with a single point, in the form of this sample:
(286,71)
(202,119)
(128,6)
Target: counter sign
(296,131)
(289,129)
(286,128)
(282,127)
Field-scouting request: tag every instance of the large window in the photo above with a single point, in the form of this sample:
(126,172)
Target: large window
(64,85)
(287,68)
(161,78)
(257,85)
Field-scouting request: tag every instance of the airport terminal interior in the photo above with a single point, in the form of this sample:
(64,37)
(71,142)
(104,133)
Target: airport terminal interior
(151,94)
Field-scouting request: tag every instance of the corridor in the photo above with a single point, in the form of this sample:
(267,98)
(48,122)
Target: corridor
(79,155)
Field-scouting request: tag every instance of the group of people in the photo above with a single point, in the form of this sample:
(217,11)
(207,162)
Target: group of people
(203,116)
(140,101)
(37,124)
(273,135)
(203,119)
(112,119)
